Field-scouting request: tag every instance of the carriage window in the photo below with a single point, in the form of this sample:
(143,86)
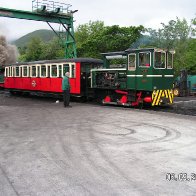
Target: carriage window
(65,68)
(38,71)
(13,74)
(20,70)
(53,70)
(17,73)
(48,71)
(60,70)
(10,72)
(132,62)
(33,71)
(160,60)
(73,71)
(6,72)
(13,69)
(169,60)
(43,71)
(25,72)
(144,59)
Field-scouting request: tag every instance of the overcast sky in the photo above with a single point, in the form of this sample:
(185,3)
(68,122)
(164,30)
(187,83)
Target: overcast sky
(149,13)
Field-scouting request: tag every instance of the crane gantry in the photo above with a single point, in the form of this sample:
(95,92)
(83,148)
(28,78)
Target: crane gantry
(50,12)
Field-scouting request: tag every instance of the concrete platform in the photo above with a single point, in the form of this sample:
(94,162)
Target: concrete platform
(47,149)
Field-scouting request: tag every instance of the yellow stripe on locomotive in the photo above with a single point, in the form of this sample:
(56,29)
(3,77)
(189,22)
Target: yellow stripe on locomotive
(162,96)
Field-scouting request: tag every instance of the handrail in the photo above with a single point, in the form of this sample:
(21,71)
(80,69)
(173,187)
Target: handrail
(51,6)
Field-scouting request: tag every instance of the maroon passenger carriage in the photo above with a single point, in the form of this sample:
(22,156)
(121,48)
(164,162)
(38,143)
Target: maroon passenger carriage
(46,76)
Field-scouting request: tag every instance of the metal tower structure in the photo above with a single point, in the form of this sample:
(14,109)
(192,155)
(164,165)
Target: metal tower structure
(50,12)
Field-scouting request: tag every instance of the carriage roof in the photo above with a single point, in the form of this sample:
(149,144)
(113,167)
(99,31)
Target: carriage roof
(74,60)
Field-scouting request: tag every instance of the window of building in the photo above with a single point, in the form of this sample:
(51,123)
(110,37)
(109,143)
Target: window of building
(132,61)
(144,59)
(169,60)
(160,60)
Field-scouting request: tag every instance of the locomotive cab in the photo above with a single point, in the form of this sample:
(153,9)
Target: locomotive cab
(135,76)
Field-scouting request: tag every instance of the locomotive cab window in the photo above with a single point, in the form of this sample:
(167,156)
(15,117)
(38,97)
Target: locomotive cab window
(132,62)
(160,60)
(117,61)
(144,59)
(169,60)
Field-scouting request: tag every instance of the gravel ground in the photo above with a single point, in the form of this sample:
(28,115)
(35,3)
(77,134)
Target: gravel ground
(93,150)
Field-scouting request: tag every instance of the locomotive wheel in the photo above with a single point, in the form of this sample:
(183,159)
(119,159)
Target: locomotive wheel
(176,92)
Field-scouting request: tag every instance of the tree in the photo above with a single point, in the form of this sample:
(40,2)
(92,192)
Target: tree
(86,36)
(52,50)
(39,50)
(34,49)
(186,58)
(176,35)
(95,38)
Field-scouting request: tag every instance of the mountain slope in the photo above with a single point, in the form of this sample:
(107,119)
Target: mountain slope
(45,35)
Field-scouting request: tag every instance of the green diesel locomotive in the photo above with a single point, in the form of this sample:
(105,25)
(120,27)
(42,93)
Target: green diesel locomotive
(135,77)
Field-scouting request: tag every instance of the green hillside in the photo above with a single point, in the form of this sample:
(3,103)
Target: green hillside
(45,35)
